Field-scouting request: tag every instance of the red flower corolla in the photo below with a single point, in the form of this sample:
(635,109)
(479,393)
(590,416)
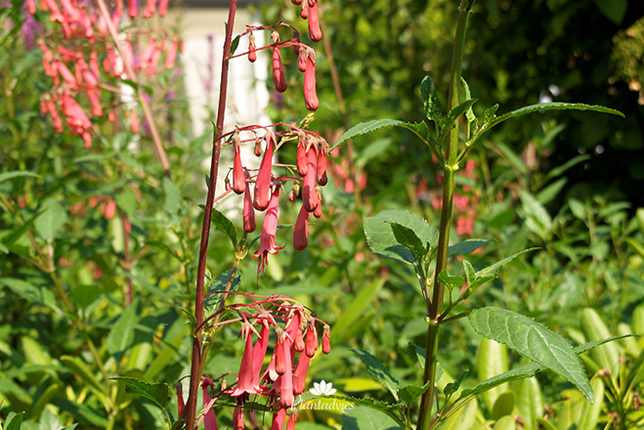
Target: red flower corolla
(310,94)
(309,196)
(248,378)
(252,51)
(249,211)
(210,420)
(292,418)
(278,419)
(239,179)
(300,232)
(279,78)
(269,229)
(263,181)
(299,376)
(181,405)
(314,22)
(326,340)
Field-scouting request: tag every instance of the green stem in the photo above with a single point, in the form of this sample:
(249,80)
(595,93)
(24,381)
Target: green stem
(451,152)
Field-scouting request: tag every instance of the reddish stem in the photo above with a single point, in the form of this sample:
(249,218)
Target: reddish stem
(195,371)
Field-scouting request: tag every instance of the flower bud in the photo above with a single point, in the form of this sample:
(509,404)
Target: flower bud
(309,197)
(310,95)
(314,22)
(280,352)
(296,38)
(300,233)
(279,78)
(258,146)
(171,55)
(304,11)
(326,340)
(252,53)
(239,179)
(248,212)
(227,184)
(301,153)
(318,210)
(311,338)
(292,196)
(301,59)
(321,170)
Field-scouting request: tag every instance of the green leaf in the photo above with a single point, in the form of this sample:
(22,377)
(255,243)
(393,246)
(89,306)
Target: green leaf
(233,46)
(491,270)
(538,219)
(407,238)
(470,274)
(10,175)
(163,246)
(491,360)
(465,247)
(506,422)
(355,310)
(542,107)
(450,282)
(453,387)
(548,194)
(411,392)
(382,240)
(365,127)
(590,412)
(225,226)
(219,284)
(490,114)
(378,371)
(368,418)
(157,393)
(464,95)
(449,121)
(533,340)
(13,421)
(578,209)
(553,173)
(172,195)
(122,333)
(503,406)
(431,102)
(127,202)
(606,356)
(613,10)
(83,295)
(31,293)
(373,150)
(80,369)
(52,219)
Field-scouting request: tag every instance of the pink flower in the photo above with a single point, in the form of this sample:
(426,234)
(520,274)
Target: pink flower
(278,419)
(299,376)
(310,95)
(181,405)
(249,211)
(269,229)
(292,418)
(238,419)
(172,55)
(309,197)
(259,350)
(210,420)
(279,78)
(248,378)
(321,172)
(311,338)
(314,22)
(326,340)
(301,154)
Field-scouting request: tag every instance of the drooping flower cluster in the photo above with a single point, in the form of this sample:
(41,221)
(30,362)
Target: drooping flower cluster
(311,169)
(295,342)
(62,54)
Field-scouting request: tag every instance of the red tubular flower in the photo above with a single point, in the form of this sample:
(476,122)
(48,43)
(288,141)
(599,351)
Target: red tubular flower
(299,376)
(301,59)
(259,350)
(134,121)
(150,8)
(144,61)
(163,7)
(154,60)
(314,22)
(326,340)
(66,74)
(280,352)
(172,55)
(309,197)
(278,419)
(286,380)
(56,119)
(310,94)
(238,419)
(210,420)
(93,94)
(292,418)
(131,6)
(263,182)
(249,211)
(311,338)
(252,53)
(93,64)
(279,78)
(239,179)
(300,232)
(181,405)
(32,6)
(301,153)
(318,211)
(294,329)
(321,171)
(267,239)
(247,379)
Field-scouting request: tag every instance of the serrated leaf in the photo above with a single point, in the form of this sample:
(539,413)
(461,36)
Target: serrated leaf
(407,238)
(381,239)
(411,392)
(464,95)
(470,274)
(465,247)
(365,127)
(431,101)
(378,371)
(491,270)
(52,219)
(542,107)
(450,282)
(225,226)
(490,114)
(10,175)
(453,387)
(157,392)
(219,284)
(449,121)
(533,340)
